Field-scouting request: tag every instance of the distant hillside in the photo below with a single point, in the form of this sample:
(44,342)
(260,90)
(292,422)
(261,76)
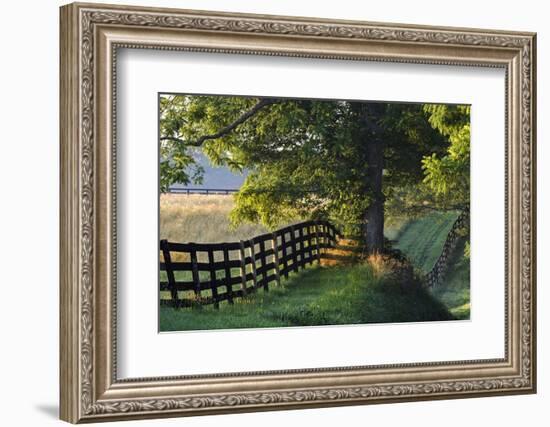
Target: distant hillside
(216,177)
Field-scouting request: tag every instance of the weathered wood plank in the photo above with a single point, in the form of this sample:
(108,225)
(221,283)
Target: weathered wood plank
(317,245)
(195,273)
(310,243)
(285,256)
(169,271)
(275,247)
(302,247)
(253,258)
(242,258)
(213,284)
(263,263)
(293,244)
(227,271)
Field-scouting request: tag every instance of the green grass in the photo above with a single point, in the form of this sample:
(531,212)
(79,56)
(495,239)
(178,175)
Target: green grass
(454,291)
(422,240)
(316,296)
(395,226)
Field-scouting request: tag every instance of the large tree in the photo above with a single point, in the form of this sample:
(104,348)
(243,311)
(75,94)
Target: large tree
(305,158)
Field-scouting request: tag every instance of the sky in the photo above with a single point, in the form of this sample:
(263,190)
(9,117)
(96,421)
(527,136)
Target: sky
(216,177)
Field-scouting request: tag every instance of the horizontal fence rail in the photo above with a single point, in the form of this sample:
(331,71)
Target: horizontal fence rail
(209,273)
(207,191)
(435,275)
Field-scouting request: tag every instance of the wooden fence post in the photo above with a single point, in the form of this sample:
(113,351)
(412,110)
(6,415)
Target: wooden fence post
(285,257)
(293,243)
(169,272)
(331,231)
(309,244)
(276,258)
(302,251)
(228,286)
(317,241)
(213,286)
(435,275)
(263,264)
(195,272)
(243,267)
(253,258)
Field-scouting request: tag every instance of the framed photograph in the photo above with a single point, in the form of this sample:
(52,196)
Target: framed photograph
(266,212)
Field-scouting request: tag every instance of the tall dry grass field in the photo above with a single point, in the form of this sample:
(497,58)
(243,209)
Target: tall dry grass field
(201,218)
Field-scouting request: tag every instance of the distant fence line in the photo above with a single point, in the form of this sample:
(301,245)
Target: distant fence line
(207,191)
(247,264)
(438,270)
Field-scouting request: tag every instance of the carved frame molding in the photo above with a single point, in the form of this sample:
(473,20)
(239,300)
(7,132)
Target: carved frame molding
(90,36)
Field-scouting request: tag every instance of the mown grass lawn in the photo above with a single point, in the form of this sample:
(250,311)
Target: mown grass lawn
(421,240)
(316,296)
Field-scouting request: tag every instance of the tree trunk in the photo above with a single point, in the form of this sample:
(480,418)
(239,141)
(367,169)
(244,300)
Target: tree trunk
(373,220)
(373,230)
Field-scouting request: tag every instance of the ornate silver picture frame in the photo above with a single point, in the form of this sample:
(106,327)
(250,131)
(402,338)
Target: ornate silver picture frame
(91,35)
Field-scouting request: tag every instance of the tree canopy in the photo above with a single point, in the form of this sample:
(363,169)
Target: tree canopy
(320,159)
(448,176)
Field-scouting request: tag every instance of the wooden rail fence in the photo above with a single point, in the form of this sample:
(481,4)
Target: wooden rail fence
(206,191)
(438,270)
(216,272)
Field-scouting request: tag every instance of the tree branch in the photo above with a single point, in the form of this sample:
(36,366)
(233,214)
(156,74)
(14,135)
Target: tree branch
(225,130)
(172,138)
